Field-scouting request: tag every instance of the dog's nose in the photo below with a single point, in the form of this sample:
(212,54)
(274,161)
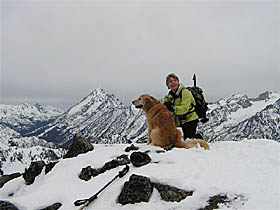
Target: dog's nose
(133,102)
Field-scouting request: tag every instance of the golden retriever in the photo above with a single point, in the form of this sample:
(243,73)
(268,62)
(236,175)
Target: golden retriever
(161,126)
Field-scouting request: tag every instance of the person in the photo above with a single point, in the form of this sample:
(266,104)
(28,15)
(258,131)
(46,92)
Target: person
(181,103)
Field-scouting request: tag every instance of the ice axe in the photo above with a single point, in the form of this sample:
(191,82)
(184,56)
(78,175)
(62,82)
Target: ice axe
(85,202)
(194,80)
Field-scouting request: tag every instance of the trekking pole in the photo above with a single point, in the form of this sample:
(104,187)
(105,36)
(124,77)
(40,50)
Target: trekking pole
(86,202)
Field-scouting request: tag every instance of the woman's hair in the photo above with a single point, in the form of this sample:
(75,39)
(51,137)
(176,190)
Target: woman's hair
(169,76)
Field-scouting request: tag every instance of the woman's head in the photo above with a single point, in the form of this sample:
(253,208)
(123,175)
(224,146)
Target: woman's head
(172,81)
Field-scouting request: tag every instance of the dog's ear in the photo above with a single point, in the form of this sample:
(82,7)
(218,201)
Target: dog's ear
(155,100)
(148,103)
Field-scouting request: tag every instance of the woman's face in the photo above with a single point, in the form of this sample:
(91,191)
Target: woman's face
(173,84)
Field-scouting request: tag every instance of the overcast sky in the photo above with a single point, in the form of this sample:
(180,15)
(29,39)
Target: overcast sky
(56,52)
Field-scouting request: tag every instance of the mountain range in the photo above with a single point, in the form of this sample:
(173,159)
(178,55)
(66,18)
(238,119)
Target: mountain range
(102,118)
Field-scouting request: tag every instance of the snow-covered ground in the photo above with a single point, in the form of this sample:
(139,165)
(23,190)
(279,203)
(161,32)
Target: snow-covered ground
(249,169)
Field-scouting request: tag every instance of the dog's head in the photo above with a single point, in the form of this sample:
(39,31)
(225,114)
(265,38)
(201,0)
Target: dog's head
(145,102)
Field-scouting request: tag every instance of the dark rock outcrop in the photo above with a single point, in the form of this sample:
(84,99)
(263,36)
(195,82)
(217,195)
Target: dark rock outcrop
(34,170)
(54,206)
(214,201)
(139,159)
(169,193)
(6,178)
(50,166)
(4,205)
(137,189)
(89,172)
(80,145)
(131,148)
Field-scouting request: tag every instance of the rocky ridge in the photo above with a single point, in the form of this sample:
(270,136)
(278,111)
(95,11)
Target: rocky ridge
(102,118)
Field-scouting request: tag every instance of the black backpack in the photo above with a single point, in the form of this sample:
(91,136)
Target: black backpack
(201,105)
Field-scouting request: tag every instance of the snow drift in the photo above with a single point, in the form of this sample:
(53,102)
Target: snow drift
(246,169)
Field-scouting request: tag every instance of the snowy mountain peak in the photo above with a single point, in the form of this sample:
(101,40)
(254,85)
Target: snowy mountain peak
(98,91)
(25,117)
(266,96)
(240,117)
(97,99)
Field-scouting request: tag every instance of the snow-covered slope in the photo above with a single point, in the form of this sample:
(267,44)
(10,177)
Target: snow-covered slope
(100,117)
(239,117)
(17,152)
(248,170)
(25,118)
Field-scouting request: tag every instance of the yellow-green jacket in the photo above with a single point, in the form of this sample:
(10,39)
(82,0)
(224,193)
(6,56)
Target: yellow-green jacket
(184,103)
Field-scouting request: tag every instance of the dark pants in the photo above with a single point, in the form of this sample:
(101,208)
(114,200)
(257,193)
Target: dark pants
(189,129)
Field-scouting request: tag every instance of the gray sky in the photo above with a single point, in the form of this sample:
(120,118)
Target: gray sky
(56,52)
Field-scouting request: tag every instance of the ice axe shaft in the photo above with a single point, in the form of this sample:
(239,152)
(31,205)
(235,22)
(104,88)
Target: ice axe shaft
(194,80)
(85,202)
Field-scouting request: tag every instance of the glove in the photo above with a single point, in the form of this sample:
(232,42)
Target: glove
(169,106)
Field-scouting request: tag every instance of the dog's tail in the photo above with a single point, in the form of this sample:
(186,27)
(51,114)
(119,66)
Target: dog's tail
(193,143)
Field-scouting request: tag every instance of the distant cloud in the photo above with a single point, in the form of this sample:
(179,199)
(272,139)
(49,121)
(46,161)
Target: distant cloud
(58,51)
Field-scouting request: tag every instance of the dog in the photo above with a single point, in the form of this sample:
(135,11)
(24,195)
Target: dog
(162,130)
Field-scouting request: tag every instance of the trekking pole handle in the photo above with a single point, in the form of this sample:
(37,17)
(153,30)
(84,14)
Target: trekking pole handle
(84,205)
(85,202)
(123,172)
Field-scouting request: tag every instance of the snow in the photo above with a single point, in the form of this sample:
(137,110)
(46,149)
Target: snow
(246,113)
(85,102)
(243,113)
(26,110)
(248,168)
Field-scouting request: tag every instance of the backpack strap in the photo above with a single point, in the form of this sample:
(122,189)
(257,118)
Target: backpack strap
(192,105)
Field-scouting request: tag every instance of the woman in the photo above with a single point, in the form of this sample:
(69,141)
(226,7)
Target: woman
(181,103)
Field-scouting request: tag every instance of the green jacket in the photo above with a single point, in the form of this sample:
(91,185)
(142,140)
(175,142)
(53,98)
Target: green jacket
(184,103)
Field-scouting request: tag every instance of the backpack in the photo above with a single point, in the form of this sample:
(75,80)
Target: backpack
(201,105)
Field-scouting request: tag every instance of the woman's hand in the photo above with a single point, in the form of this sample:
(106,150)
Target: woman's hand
(169,106)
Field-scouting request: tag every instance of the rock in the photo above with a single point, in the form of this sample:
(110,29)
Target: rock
(80,145)
(119,161)
(169,193)
(169,147)
(214,201)
(4,205)
(54,206)
(34,170)
(123,160)
(6,178)
(137,189)
(50,166)
(139,159)
(130,148)
(89,172)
